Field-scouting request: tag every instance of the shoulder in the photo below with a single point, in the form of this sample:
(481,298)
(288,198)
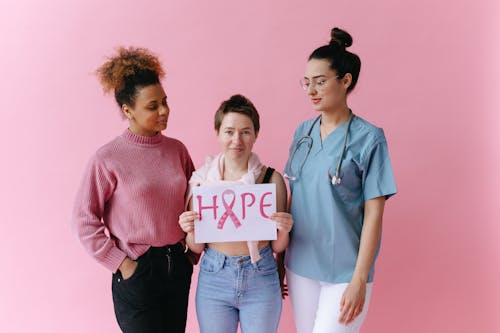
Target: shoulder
(200,174)
(175,143)
(368,138)
(276,178)
(367,131)
(304,127)
(281,191)
(109,150)
(175,147)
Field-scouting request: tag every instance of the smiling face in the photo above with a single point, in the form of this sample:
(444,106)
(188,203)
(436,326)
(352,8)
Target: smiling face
(236,136)
(150,113)
(325,90)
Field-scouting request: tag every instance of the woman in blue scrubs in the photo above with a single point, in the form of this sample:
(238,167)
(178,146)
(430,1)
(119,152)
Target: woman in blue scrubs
(340,177)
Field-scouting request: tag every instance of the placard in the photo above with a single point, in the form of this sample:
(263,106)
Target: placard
(230,213)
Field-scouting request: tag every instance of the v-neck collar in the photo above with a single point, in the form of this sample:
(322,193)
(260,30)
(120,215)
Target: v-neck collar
(316,135)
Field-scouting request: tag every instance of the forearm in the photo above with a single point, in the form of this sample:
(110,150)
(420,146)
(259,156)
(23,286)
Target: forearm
(194,247)
(282,218)
(280,244)
(91,232)
(370,238)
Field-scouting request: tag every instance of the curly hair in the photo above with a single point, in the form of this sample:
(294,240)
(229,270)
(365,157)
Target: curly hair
(127,71)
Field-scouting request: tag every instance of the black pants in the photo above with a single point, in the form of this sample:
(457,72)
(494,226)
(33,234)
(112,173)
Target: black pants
(155,298)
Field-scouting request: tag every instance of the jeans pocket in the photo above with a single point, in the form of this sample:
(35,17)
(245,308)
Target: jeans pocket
(139,270)
(136,289)
(266,265)
(211,264)
(134,274)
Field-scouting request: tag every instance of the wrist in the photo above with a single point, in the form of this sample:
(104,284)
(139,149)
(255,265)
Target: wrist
(127,262)
(360,278)
(283,232)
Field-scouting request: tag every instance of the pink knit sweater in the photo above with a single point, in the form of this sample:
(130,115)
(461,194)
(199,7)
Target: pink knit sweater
(131,196)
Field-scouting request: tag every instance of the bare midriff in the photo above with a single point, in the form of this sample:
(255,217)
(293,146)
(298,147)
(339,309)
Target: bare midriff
(234,248)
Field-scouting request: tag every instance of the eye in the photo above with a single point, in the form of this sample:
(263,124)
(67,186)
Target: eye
(321,82)
(247,132)
(152,107)
(228,132)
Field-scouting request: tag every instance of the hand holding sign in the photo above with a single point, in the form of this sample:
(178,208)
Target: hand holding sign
(247,207)
(186,221)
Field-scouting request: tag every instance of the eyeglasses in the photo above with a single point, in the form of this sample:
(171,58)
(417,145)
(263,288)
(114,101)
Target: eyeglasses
(319,83)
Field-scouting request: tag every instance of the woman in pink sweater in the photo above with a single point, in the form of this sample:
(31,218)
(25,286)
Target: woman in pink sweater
(131,195)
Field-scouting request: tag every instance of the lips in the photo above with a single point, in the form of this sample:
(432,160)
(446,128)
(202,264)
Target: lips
(315,100)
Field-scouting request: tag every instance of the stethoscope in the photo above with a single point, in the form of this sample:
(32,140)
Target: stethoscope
(308,140)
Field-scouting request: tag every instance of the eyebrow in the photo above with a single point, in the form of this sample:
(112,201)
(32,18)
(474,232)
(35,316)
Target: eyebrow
(230,127)
(154,100)
(314,77)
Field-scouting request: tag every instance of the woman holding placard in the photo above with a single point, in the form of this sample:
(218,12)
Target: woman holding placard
(238,281)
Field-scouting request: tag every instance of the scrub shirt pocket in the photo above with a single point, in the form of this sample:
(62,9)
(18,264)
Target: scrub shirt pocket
(350,188)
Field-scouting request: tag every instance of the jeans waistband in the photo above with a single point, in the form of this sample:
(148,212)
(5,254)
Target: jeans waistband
(176,248)
(236,260)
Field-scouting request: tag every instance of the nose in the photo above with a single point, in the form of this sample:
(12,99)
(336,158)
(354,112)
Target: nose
(164,110)
(311,89)
(236,138)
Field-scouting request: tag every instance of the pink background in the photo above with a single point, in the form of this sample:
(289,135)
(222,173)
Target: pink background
(430,78)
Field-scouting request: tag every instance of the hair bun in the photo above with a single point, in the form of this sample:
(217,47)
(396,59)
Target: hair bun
(340,37)
(127,62)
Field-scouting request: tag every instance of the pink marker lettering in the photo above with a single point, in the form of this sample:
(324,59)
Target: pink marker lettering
(201,208)
(243,207)
(262,205)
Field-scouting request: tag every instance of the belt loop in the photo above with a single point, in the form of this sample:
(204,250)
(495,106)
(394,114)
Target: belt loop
(224,260)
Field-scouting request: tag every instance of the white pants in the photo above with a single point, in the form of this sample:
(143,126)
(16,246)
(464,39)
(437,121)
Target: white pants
(316,305)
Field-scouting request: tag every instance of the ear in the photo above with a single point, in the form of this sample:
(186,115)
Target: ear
(347,80)
(126,111)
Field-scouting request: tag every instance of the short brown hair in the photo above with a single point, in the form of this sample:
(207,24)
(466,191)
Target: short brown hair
(238,104)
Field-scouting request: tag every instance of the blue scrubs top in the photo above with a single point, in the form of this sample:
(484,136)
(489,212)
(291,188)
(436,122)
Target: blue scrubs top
(325,237)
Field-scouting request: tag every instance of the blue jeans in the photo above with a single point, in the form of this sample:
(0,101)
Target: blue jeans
(232,289)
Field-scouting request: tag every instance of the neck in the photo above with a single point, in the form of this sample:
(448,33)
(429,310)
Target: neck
(336,117)
(234,169)
(137,131)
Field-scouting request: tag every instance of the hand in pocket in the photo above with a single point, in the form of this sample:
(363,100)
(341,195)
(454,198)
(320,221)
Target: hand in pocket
(128,268)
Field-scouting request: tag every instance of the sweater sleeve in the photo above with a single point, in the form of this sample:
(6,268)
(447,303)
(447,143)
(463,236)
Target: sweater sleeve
(198,177)
(96,189)
(189,167)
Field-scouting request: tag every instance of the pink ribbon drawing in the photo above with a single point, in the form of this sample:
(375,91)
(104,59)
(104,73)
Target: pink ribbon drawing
(229,210)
